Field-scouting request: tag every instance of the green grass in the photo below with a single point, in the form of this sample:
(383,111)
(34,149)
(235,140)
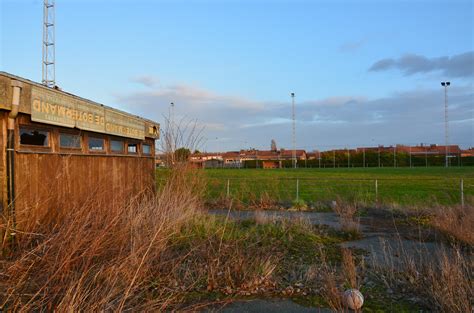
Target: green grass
(399,186)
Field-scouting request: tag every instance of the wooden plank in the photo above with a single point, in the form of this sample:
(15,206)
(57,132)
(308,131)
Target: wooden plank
(49,179)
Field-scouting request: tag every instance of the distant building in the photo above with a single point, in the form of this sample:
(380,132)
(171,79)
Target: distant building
(232,159)
(280,158)
(429,149)
(468,152)
(288,154)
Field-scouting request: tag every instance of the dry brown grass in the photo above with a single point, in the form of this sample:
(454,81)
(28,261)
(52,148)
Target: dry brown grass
(450,283)
(95,259)
(455,221)
(263,202)
(441,279)
(152,254)
(337,279)
(349,269)
(331,292)
(347,215)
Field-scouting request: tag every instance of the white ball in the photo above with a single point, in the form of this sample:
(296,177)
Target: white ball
(353,299)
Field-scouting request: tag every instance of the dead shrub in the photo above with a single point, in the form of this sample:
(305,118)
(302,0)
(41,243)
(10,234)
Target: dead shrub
(347,216)
(442,279)
(349,268)
(262,202)
(95,259)
(455,221)
(330,291)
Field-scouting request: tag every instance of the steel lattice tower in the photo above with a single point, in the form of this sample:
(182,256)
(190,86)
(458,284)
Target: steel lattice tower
(49,36)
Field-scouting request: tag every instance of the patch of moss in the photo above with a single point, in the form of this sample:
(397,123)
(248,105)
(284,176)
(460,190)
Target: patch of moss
(203,296)
(378,300)
(422,220)
(310,301)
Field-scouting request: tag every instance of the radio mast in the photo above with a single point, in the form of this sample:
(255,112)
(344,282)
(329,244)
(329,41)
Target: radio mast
(294,128)
(49,38)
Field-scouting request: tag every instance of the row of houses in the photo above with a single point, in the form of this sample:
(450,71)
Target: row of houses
(275,158)
(236,159)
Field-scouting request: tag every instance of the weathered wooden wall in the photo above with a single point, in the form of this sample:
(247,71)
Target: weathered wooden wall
(54,181)
(3,165)
(53,178)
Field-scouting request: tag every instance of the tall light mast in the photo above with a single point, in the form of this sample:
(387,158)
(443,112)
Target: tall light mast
(445,85)
(49,38)
(294,128)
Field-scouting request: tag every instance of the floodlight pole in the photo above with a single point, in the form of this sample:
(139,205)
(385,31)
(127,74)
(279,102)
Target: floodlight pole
(379,156)
(445,85)
(395,156)
(294,128)
(348,158)
(426,156)
(171,132)
(410,155)
(363,153)
(172,121)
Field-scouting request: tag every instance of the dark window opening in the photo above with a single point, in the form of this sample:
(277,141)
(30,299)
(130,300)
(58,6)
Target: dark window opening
(132,148)
(116,146)
(96,144)
(69,141)
(146,149)
(34,137)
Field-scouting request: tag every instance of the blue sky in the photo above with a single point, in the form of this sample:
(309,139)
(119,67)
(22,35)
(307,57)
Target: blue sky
(364,72)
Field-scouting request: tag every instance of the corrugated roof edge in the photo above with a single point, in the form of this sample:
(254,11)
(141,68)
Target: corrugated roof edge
(25,80)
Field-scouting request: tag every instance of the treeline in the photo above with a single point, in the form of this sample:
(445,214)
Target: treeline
(331,159)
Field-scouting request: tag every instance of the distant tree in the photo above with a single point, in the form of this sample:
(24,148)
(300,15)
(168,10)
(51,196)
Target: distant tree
(182,154)
(274,145)
(196,152)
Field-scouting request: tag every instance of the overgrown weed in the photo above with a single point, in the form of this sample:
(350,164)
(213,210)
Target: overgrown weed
(441,279)
(455,221)
(349,221)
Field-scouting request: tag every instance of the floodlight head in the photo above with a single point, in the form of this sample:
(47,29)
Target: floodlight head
(448,83)
(292,94)
(443,83)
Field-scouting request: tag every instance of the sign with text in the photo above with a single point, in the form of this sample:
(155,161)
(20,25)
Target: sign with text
(55,108)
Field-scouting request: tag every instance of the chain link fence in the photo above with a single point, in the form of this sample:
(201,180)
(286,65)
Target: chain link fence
(387,191)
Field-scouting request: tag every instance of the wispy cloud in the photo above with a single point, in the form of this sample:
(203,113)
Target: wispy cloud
(352,46)
(406,117)
(146,80)
(459,65)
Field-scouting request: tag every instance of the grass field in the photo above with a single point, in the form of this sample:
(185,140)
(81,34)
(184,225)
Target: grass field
(397,186)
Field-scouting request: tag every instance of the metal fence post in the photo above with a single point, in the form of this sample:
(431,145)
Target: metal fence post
(376,193)
(297,189)
(462,193)
(228,188)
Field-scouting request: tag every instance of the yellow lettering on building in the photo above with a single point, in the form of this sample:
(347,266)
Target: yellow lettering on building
(44,107)
(36,105)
